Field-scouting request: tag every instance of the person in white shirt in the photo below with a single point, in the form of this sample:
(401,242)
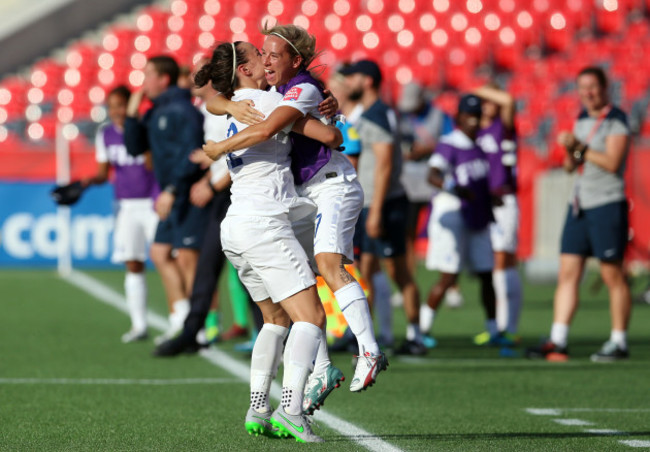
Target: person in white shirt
(258,239)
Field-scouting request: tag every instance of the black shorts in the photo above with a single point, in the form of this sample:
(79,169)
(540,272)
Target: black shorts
(185,226)
(601,232)
(394,224)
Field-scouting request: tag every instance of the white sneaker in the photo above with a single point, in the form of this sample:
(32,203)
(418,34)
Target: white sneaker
(134,336)
(368,366)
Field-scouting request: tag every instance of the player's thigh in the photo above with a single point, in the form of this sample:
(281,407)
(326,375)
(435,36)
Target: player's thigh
(339,205)
(503,232)
(270,248)
(447,241)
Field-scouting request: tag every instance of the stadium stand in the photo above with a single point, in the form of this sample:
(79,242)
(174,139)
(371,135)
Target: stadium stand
(533,48)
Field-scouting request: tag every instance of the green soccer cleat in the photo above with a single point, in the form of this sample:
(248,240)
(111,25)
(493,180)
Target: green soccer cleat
(260,424)
(296,425)
(319,387)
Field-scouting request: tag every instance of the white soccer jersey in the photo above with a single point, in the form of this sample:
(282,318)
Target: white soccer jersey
(305,98)
(262,183)
(215,128)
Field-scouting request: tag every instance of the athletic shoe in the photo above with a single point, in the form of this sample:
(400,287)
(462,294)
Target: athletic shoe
(610,352)
(548,351)
(429,341)
(234,332)
(319,387)
(170,333)
(174,347)
(296,425)
(411,348)
(494,340)
(134,336)
(367,368)
(260,424)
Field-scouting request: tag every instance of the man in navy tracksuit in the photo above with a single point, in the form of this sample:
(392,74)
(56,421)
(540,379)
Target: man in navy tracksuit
(171,129)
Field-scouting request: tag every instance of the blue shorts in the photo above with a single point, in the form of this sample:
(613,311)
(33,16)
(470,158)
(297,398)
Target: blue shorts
(394,223)
(601,232)
(185,226)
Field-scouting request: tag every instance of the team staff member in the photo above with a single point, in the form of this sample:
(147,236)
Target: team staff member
(171,129)
(597,219)
(385,207)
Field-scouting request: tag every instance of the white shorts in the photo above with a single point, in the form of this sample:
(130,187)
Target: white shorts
(268,258)
(135,227)
(339,197)
(503,231)
(453,246)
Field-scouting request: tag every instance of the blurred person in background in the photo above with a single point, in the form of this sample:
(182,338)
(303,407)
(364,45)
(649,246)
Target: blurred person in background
(212,190)
(597,218)
(135,189)
(385,207)
(421,125)
(461,216)
(498,139)
(172,129)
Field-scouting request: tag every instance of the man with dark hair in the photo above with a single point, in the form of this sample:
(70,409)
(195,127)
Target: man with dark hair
(385,207)
(171,129)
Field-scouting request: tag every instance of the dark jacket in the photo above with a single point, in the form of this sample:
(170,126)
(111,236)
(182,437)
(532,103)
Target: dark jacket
(171,129)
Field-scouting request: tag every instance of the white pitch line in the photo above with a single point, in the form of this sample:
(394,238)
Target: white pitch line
(604,431)
(635,443)
(220,359)
(572,422)
(558,411)
(116,381)
(544,411)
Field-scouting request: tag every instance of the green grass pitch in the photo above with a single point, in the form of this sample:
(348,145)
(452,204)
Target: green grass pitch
(67,383)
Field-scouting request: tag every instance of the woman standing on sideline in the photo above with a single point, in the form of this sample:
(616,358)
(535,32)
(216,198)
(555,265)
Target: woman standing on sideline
(597,219)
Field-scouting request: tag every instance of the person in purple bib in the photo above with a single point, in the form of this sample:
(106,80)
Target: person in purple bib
(459,234)
(135,189)
(498,139)
(330,181)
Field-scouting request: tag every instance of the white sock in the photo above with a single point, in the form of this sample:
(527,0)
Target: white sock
(413,332)
(267,352)
(491,327)
(619,338)
(501,293)
(559,334)
(383,309)
(427,316)
(514,295)
(354,305)
(179,311)
(299,355)
(323,360)
(135,289)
